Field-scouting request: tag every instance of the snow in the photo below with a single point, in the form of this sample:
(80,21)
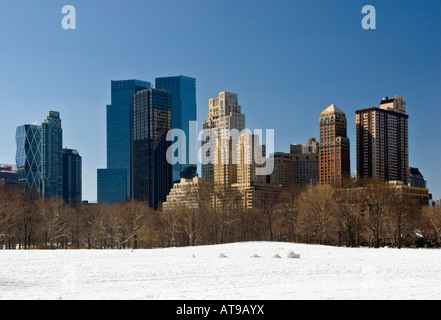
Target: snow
(320,272)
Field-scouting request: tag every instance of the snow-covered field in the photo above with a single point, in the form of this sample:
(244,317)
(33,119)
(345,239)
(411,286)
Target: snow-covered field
(249,270)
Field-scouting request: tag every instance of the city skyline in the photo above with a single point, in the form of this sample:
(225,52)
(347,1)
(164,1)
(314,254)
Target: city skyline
(307,61)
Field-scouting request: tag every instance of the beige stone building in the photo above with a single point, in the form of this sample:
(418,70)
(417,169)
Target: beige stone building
(248,186)
(185,194)
(224,114)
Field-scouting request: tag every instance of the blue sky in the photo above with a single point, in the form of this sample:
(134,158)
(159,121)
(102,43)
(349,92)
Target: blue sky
(287,59)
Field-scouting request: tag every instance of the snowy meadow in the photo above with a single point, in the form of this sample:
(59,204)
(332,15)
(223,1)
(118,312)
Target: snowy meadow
(246,270)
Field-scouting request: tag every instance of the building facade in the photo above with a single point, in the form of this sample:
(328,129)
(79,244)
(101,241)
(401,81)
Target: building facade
(9,176)
(224,114)
(52,156)
(239,184)
(72,177)
(28,156)
(417,179)
(334,158)
(382,141)
(185,194)
(299,167)
(184,112)
(152,119)
(306,163)
(284,169)
(119,123)
(257,190)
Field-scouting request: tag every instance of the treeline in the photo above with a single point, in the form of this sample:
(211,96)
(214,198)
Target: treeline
(374,214)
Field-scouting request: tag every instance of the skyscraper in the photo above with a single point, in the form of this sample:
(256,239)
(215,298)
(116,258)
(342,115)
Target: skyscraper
(334,159)
(114,183)
(52,156)
(28,156)
(224,114)
(183,90)
(72,177)
(256,190)
(382,141)
(152,119)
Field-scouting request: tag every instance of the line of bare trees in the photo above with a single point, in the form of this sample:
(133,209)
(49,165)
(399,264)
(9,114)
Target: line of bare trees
(374,215)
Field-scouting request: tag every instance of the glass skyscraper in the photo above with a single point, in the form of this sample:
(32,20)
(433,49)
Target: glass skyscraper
(52,156)
(183,90)
(114,183)
(152,119)
(28,157)
(72,177)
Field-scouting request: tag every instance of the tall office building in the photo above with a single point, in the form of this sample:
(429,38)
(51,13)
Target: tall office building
(382,141)
(256,190)
(152,119)
(334,159)
(115,183)
(52,156)
(28,156)
(224,114)
(72,177)
(183,90)
(247,175)
(225,170)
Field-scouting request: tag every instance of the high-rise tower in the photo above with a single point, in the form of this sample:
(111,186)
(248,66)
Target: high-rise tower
(152,119)
(224,114)
(52,156)
(28,157)
(184,112)
(114,183)
(72,177)
(334,159)
(382,141)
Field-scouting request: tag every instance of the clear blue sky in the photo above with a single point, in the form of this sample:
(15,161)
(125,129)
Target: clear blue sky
(287,59)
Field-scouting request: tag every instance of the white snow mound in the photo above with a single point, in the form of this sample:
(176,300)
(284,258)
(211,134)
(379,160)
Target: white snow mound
(255,256)
(292,255)
(222,256)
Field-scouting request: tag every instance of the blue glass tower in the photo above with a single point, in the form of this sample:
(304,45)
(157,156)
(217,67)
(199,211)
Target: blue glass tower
(184,110)
(52,156)
(28,157)
(111,181)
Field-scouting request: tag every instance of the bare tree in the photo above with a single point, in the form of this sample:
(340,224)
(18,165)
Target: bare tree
(350,210)
(317,207)
(375,195)
(170,222)
(399,215)
(290,212)
(133,218)
(53,221)
(430,225)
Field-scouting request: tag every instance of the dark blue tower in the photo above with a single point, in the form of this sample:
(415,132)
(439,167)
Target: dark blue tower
(114,183)
(184,110)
